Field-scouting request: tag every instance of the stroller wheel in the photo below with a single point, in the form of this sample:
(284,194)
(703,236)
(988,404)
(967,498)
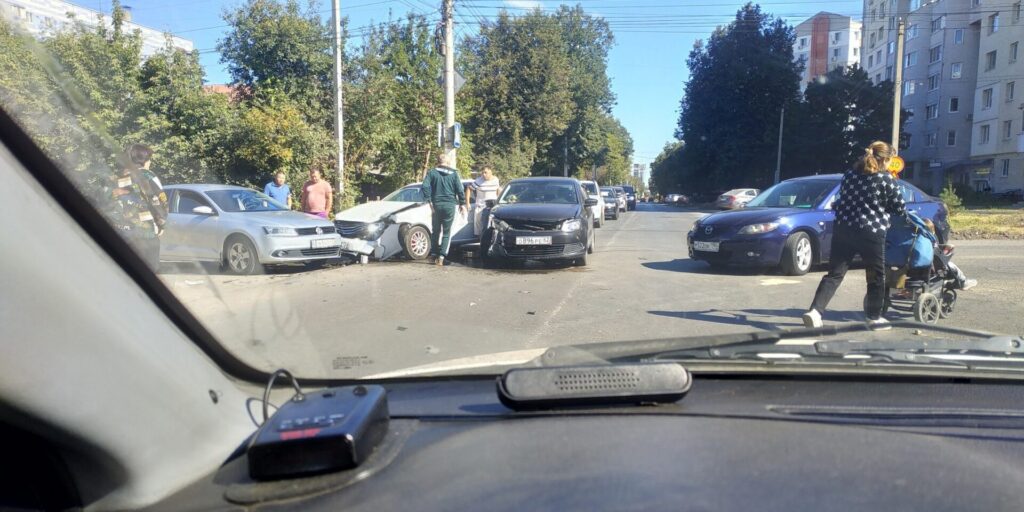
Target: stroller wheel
(948,303)
(927,309)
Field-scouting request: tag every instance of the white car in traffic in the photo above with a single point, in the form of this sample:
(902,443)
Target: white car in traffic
(398,225)
(594,190)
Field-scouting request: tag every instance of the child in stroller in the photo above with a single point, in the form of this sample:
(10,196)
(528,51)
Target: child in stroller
(920,275)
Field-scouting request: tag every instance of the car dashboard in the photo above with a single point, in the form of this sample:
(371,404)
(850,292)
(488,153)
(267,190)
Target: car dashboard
(733,443)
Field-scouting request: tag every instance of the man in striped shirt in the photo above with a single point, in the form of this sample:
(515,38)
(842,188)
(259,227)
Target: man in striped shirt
(486,187)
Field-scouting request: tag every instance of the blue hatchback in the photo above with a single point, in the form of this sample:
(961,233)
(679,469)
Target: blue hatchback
(789,226)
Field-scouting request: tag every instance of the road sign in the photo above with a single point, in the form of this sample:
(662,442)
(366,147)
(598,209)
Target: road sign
(457,136)
(896,165)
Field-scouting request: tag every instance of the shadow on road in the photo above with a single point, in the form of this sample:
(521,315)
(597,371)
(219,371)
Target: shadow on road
(211,268)
(689,266)
(767,319)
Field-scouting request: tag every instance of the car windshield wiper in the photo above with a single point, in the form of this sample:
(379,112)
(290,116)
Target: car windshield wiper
(755,344)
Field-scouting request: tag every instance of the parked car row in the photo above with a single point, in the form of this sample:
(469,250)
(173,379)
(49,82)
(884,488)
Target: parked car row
(245,230)
(789,226)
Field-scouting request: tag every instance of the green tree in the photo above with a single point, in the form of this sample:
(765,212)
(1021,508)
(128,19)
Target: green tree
(739,81)
(518,91)
(276,45)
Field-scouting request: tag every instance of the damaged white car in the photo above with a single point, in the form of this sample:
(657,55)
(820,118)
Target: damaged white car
(398,225)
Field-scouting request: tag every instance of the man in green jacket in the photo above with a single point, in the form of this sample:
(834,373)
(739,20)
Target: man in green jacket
(442,187)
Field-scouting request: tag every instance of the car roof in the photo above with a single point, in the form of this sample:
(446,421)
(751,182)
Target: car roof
(204,187)
(547,179)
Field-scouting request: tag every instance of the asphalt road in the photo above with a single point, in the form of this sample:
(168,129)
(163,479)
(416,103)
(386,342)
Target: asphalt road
(408,317)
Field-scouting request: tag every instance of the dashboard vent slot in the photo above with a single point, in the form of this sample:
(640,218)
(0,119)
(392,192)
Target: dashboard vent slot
(548,388)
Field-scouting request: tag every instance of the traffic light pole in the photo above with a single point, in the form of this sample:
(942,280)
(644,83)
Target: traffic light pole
(447,13)
(339,118)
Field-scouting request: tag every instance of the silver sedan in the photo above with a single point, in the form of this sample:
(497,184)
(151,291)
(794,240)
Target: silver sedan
(241,229)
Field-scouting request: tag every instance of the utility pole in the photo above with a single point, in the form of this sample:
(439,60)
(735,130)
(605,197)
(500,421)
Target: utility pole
(778,159)
(565,155)
(448,13)
(897,86)
(339,118)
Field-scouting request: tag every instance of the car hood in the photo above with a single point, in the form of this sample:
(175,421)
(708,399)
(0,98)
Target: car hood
(748,216)
(535,211)
(372,211)
(283,218)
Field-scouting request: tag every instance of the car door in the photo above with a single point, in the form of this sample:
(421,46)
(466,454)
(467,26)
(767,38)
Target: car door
(197,233)
(824,218)
(925,207)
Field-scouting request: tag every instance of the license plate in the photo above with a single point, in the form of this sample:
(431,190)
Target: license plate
(323,243)
(533,240)
(705,246)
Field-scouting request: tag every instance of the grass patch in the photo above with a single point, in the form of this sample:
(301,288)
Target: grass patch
(988,223)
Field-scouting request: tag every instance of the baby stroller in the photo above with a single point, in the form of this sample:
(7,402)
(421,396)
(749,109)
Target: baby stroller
(920,277)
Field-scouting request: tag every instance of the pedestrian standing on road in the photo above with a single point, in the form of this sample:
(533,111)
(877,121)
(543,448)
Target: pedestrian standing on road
(486,187)
(868,198)
(442,188)
(317,195)
(140,204)
(279,191)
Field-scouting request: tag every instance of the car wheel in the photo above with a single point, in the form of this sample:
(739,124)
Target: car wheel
(240,256)
(416,242)
(797,255)
(581,261)
(593,242)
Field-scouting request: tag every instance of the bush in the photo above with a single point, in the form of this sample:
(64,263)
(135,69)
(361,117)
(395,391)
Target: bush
(950,197)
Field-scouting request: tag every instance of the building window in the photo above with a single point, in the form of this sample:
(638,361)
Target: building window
(872,39)
(874,15)
(956,70)
(938,23)
(975,3)
(909,88)
(878,78)
(912,31)
(892,23)
(910,114)
(878,57)
(836,37)
(1007,130)
(888,72)
(915,5)
(871,61)
(1006,168)
(856,51)
(951,138)
(958,36)
(993,23)
(1013,51)
(835,52)
(892,47)
(933,82)
(1010,86)
(990,60)
(984,136)
(986,99)
(931,111)
(931,140)
(910,59)
(935,54)
(1016,11)
(803,42)
(954,105)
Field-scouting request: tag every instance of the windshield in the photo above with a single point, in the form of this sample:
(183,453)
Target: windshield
(408,194)
(233,200)
(794,194)
(539,192)
(178,122)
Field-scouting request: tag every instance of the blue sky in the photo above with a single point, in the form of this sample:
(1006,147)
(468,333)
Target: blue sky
(647,64)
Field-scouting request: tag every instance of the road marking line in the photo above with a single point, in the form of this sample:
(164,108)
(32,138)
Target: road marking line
(775,281)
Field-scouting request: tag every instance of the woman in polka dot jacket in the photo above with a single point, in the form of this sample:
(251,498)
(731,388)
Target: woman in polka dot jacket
(868,199)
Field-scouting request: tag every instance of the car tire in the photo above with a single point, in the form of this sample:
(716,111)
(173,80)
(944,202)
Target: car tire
(416,242)
(240,256)
(797,255)
(580,261)
(593,242)
(616,215)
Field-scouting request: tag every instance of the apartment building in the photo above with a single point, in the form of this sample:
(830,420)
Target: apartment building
(824,42)
(956,65)
(997,144)
(41,18)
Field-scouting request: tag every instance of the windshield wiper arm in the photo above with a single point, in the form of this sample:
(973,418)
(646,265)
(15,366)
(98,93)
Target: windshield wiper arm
(764,341)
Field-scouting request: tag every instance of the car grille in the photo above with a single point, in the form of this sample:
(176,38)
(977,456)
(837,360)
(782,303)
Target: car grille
(349,229)
(326,251)
(535,250)
(325,230)
(534,225)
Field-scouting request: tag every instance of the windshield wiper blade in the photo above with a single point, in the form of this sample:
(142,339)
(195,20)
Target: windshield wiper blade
(631,350)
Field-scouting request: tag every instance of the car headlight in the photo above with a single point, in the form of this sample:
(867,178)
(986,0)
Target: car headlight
(373,230)
(572,225)
(279,231)
(757,229)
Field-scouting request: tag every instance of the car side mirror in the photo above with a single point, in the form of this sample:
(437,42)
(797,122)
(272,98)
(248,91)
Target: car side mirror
(590,201)
(490,203)
(203,210)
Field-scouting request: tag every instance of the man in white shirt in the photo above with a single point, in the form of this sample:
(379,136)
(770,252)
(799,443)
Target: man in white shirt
(486,187)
